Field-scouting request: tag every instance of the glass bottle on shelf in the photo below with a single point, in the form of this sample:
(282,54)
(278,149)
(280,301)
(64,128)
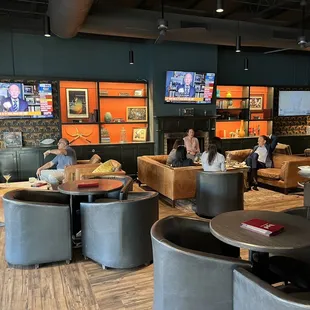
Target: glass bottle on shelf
(123,138)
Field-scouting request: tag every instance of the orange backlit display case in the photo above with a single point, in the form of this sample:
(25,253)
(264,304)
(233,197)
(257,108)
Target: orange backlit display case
(243,111)
(104,112)
(123,108)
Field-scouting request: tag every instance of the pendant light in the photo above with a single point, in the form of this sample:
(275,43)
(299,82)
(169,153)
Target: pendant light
(47,27)
(131,57)
(219,6)
(238,41)
(246,64)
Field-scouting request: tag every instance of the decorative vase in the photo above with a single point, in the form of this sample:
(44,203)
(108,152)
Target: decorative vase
(108,117)
(241,130)
(123,138)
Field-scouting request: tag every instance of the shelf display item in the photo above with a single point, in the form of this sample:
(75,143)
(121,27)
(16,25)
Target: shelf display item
(241,130)
(105,136)
(136,114)
(139,134)
(77,103)
(79,135)
(123,138)
(108,117)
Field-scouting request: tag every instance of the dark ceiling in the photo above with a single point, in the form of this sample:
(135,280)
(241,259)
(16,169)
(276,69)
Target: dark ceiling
(282,13)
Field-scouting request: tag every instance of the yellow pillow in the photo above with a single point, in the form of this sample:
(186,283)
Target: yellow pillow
(105,167)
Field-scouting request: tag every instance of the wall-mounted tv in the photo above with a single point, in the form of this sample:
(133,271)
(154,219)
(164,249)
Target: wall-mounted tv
(293,103)
(26,100)
(189,87)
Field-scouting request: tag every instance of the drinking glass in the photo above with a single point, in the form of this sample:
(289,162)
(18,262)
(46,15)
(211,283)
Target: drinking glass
(6,175)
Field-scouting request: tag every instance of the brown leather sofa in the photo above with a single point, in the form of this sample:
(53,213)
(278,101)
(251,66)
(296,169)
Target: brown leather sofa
(85,171)
(173,183)
(285,172)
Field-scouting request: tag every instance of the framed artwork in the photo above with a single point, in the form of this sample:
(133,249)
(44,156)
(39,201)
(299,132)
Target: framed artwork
(77,103)
(12,139)
(28,89)
(139,92)
(256,103)
(139,134)
(136,114)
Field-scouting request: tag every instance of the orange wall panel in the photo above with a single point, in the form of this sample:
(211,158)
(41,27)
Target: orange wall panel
(262,125)
(90,131)
(236,91)
(115,131)
(118,106)
(114,89)
(229,127)
(92,97)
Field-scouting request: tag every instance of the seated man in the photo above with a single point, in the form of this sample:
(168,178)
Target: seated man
(261,157)
(65,156)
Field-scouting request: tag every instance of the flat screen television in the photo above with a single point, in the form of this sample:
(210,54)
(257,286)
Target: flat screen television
(189,87)
(26,100)
(294,103)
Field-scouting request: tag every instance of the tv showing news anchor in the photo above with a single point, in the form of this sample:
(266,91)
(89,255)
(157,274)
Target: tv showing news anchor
(189,87)
(31,100)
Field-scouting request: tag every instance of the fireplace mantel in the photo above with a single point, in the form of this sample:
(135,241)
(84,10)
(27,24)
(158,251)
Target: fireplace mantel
(174,125)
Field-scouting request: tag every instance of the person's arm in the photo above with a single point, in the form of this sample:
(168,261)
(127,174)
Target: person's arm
(274,142)
(48,165)
(223,166)
(197,146)
(55,152)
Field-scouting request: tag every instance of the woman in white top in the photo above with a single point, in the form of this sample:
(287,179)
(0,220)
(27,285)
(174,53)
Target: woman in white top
(212,160)
(191,143)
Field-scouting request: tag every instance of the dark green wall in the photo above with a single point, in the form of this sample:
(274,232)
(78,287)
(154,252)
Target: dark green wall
(279,69)
(80,58)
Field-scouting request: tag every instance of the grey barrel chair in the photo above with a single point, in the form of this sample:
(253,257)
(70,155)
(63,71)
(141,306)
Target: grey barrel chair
(192,269)
(37,227)
(218,192)
(252,293)
(117,234)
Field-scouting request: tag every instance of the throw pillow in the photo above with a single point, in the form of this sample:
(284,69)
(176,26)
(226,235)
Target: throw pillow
(105,167)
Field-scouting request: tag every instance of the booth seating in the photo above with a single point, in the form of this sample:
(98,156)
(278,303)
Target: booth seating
(283,175)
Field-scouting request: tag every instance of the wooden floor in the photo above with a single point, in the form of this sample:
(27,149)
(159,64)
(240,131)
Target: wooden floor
(84,284)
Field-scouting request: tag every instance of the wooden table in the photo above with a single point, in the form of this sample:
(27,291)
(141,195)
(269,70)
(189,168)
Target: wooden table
(105,186)
(226,227)
(72,189)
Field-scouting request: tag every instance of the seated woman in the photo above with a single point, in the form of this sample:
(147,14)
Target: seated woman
(218,142)
(212,160)
(261,157)
(180,158)
(171,156)
(191,143)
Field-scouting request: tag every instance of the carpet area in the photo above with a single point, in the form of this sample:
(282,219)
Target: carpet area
(252,200)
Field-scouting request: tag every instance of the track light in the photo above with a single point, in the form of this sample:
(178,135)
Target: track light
(246,64)
(131,58)
(47,27)
(219,6)
(238,44)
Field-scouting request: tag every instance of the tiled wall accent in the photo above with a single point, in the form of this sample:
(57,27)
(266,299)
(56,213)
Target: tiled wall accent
(289,125)
(34,130)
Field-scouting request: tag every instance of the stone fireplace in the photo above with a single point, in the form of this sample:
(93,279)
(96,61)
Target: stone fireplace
(170,137)
(170,128)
